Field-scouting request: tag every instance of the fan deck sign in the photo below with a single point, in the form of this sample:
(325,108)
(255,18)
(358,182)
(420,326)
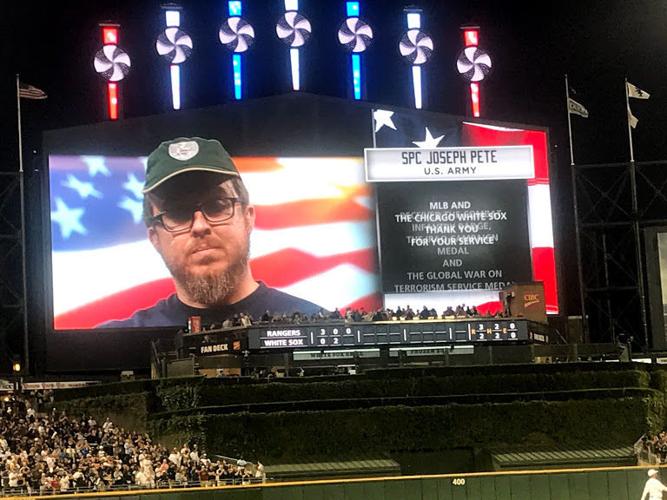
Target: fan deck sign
(453,164)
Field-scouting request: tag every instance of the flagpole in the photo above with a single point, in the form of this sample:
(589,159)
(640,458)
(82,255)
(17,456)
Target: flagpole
(26,350)
(569,118)
(627,105)
(573,173)
(635,225)
(18,119)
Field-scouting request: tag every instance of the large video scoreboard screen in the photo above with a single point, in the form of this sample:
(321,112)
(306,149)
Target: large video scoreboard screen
(324,231)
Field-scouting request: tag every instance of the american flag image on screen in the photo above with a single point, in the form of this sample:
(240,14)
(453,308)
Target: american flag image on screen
(314,235)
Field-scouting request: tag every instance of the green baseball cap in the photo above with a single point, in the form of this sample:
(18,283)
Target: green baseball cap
(187,154)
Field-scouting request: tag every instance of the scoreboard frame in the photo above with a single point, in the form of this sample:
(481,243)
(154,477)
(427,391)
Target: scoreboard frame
(351,335)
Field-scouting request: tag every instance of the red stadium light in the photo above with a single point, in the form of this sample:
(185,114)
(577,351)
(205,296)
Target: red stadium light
(113,64)
(112,96)
(474,99)
(470,36)
(110,34)
(473,64)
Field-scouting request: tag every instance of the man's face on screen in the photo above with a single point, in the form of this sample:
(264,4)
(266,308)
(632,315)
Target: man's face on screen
(204,236)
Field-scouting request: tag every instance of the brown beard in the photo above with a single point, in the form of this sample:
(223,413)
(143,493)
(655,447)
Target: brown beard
(212,289)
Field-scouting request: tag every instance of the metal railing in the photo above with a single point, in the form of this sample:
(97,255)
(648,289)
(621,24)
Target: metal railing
(44,491)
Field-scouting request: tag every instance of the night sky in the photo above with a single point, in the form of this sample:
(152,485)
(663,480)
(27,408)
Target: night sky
(532,44)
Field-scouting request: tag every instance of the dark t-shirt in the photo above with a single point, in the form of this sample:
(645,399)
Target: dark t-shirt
(172,312)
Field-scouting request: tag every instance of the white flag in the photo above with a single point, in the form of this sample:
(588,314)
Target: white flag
(636,92)
(576,108)
(632,119)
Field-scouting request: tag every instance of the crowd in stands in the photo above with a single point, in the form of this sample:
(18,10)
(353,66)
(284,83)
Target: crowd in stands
(653,447)
(50,452)
(353,315)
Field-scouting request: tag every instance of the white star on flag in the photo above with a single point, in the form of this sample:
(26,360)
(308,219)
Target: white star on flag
(68,219)
(429,141)
(134,186)
(136,208)
(96,166)
(85,189)
(382,117)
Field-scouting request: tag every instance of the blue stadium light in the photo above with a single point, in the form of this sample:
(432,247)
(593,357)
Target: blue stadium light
(355,36)
(236,64)
(356,76)
(237,35)
(235,8)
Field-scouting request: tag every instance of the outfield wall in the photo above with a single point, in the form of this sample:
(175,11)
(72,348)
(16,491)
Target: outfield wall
(614,483)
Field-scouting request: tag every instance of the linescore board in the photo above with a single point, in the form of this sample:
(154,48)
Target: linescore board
(387,333)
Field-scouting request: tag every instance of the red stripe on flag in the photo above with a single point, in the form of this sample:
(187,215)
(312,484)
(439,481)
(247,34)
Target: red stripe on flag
(544,270)
(489,308)
(120,305)
(474,135)
(286,267)
(368,303)
(309,212)
(253,164)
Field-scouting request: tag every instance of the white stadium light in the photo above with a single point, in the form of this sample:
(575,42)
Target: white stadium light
(417,85)
(291,4)
(294,63)
(175,47)
(414,20)
(175,77)
(416,47)
(173,17)
(294,30)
